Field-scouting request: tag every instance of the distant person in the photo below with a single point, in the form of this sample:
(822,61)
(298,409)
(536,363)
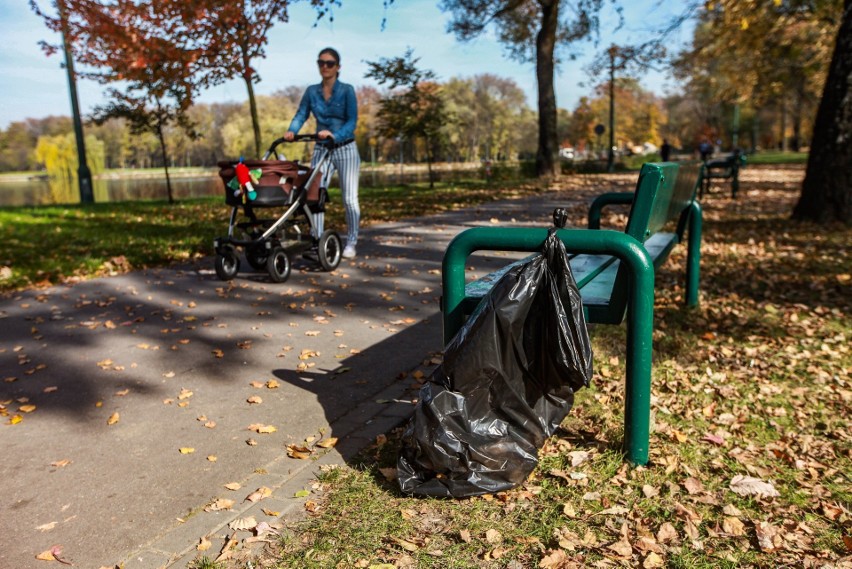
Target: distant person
(666,150)
(334,106)
(705,149)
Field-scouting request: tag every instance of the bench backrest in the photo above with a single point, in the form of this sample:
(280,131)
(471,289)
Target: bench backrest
(655,191)
(665,192)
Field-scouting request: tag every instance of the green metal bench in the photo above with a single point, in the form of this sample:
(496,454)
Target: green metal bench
(727,168)
(614,271)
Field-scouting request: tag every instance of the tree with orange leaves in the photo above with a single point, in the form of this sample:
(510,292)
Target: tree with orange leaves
(147,48)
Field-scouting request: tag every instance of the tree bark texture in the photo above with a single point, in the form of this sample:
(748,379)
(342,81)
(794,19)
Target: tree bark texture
(255,121)
(165,154)
(548,143)
(827,189)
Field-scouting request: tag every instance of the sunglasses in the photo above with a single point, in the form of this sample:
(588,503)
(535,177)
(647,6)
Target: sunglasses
(329,63)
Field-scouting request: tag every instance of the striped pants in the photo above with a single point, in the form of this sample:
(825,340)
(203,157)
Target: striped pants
(347,162)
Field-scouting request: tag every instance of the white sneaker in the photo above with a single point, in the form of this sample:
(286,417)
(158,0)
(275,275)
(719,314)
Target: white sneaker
(349,252)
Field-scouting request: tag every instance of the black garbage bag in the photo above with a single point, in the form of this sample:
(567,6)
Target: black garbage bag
(506,383)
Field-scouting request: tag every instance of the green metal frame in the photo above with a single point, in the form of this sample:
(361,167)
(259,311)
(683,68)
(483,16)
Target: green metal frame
(636,280)
(640,319)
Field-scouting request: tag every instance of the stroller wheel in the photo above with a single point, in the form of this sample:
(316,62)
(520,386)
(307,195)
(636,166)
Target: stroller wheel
(329,250)
(227,264)
(278,265)
(257,257)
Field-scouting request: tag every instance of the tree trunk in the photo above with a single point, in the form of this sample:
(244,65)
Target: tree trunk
(545,43)
(255,123)
(165,162)
(827,189)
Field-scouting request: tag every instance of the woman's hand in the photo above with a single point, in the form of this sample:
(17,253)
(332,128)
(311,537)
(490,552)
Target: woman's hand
(323,134)
(289,136)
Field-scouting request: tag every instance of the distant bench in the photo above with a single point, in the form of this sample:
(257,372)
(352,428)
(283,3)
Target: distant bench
(727,168)
(614,271)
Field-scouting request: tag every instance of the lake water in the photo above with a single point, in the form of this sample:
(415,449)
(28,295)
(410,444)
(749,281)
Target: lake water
(27,192)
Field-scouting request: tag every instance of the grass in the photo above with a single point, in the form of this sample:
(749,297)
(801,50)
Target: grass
(755,382)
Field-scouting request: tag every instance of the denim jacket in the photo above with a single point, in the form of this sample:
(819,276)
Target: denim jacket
(338,115)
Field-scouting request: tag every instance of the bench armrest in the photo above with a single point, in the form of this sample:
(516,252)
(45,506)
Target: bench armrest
(603,200)
(640,321)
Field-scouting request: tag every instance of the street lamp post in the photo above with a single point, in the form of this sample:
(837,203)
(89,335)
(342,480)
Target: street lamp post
(84,175)
(610,162)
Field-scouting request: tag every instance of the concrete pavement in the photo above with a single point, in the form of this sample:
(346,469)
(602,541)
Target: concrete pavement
(106,385)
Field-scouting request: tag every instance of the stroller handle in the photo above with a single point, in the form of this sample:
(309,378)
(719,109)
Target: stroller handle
(298,138)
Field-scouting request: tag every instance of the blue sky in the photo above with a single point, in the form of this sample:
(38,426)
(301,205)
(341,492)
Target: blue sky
(33,85)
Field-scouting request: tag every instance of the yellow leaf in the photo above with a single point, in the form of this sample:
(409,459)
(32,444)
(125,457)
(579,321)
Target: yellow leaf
(272,513)
(212,458)
(327,443)
(255,400)
(272,384)
(15,419)
(204,544)
(113,419)
(744,24)
(27,408)
(46,556)
(186,450)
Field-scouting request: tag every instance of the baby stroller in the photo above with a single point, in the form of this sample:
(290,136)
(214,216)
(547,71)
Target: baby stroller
(268,243)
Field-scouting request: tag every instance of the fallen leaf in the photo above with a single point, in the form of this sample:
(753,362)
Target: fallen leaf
(219,505)
(204,544)
(27,408)
(233,486)
(271,513)
(302,494)
(406,545)
(693,485)
(493,536)
(327,443)
(553,559)
(272,384)
(666,533)
(186,450)
(652,561)
(113,419)
(465,536)
(733,526)
(243,524)
(259,494)
(46,527)
(254,400)
(621,548)
(212,458)
(766,534)
(750,486)
(61,463)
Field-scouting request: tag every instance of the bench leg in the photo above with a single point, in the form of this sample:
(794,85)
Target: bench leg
(640,328)
(693,254)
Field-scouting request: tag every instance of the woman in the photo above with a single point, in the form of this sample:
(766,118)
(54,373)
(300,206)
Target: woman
(335,109)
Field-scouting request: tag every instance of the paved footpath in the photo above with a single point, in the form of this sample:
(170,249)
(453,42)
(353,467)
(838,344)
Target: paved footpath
(129,402)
